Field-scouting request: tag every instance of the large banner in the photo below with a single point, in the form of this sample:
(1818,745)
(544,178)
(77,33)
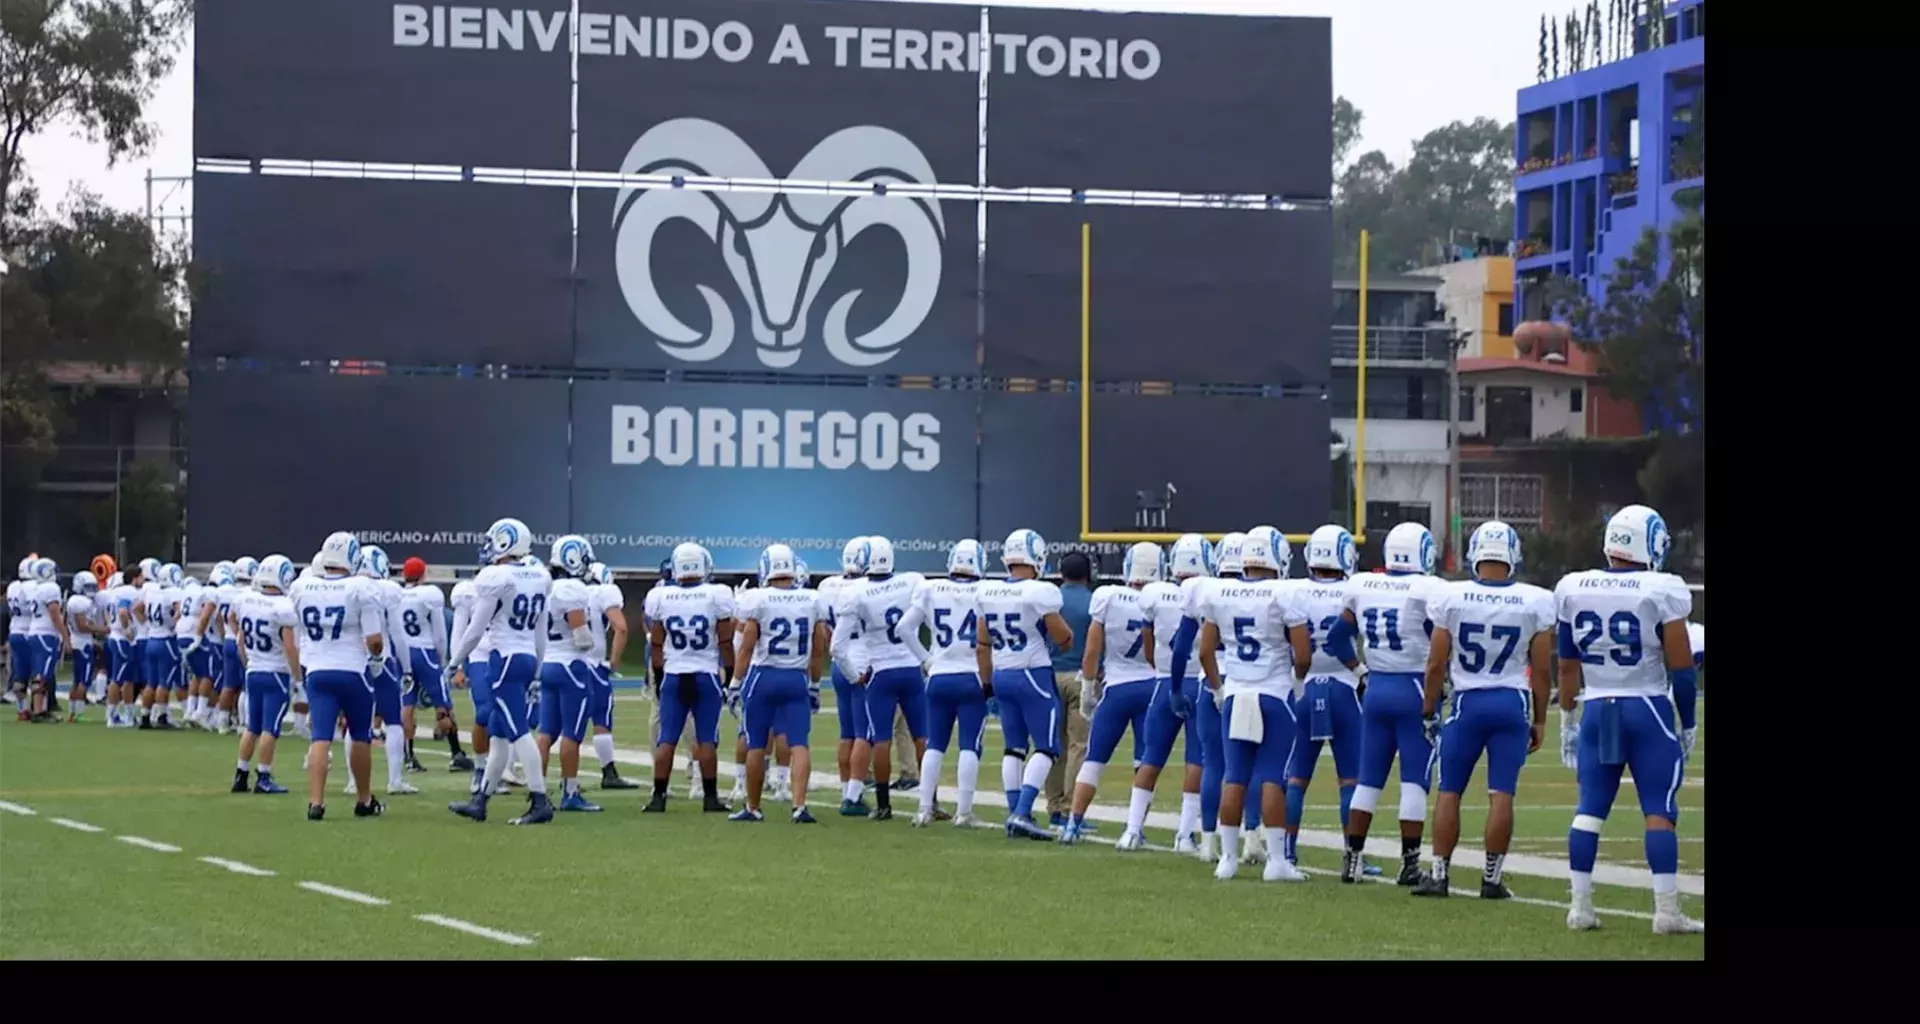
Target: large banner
(380,81)
(1189,296)
(739,466)
(418,465)
(1159,464)
(405,271)
(1169,102)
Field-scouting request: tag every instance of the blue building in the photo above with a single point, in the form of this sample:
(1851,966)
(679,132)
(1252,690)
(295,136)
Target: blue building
(1597,152)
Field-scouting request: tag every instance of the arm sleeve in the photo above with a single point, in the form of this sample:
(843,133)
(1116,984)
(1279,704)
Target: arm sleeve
(367,604)
(843,626)
(436,624)
(479,614)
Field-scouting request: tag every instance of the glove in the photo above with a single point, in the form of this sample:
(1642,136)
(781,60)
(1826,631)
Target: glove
(198,642)
(1089,702)
(993,707)
(1686,742)
(813,697)
(1179,703)
(1431,723)
(1570,740)
(376,667)
(733,699)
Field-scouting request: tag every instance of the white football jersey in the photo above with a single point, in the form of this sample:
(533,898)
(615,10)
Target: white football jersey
(40,600)
(80,615)
(16,603)
(1011,615)
(786,619)
(120,599)
(1391,610)
(691,616)
(1696,636)
(602,598)
(1320,602)
(423,617)
(262,617)
(951,609)
(336,615)
(1126,616)
(567,596)
(874,607)
(740,597)
(224,600)
(1616,618)
(830,590)
(1492,624)
(1253,617)
(187,626)
(162,605)
(463,599)
(513,599)
(1171,602)
(393,599)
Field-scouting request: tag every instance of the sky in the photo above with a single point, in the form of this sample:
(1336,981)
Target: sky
(1409,65)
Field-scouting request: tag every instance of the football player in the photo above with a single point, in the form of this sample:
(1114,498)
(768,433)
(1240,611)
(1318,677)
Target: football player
(787,642)
(955,691)
(1626,658)
(606,610)
(1171,711)
(1328,700)
(1495,635)
(848,703)
(568,670)
(1116,672)
(1019,616)
(270,657)
(870,612)
(375,566)
(691,626)
(85,625)
(509,609)
(341,648)
(423,617)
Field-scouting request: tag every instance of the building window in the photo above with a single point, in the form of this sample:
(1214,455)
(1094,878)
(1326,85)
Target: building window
(1575,400)
(1466,405)
(1505,328)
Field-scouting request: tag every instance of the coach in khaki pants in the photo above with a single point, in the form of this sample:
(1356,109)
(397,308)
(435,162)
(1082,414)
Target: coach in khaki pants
(1076,595)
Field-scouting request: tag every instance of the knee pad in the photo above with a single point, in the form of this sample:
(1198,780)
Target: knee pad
(1366,798)
(1413,803)
(1089,773)
(1588,823)
(1017,753)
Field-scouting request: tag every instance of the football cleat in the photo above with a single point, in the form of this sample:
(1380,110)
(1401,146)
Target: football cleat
(1130,842)
(1282,871)
(575,802)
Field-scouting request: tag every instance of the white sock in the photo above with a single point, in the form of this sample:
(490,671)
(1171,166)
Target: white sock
(396,754)
(528,750)
(241,765)
(603,749)
(930,776)
(1229,841)
(497,757)
(1663,885)
(693,773)
(150,709)
(1189,813)
(969,781)
(854,789)
(1010,767)
(1037,768)
(1137,809)
(1583,884)
(1276,851)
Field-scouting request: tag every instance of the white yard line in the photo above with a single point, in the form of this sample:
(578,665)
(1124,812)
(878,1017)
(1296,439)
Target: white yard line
(237,868)
(344,894)
(148,844)
(473,929)
(17,809)
(77,826)
(1692,884)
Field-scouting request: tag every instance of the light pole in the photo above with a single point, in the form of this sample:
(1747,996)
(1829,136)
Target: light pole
(1454,346)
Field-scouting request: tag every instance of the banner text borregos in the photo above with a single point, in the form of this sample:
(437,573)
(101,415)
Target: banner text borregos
(870,46)
(765,439)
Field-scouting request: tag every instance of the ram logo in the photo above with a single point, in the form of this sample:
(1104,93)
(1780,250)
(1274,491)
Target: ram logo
(781,248)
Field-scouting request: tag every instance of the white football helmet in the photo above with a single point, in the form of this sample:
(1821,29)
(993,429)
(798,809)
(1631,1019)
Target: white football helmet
(508,538)
(341,550)
(968,559)
(1493,541)
(221,575)
(276,572)
(171,575)
(26,567)
(85,582)
(244,568)
(1410,548)
(1637,534)
(1192,556)
(853,557)
(149,570)
(1229,552)
(879,556)
(572,555)
(598,572)
(777,562)
(801,574)
(1024,547)
(1330,548)
(691,563)
(373,562)
(1277,544)
(1144,563)
(1256,552)
(43,570)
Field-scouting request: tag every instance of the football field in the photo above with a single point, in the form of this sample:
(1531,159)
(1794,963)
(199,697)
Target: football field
(115,844)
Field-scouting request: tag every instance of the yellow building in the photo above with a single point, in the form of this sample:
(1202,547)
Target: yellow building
(1477,296)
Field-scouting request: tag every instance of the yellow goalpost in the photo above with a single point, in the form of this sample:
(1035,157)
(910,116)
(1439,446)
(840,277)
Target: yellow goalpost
(1087,533)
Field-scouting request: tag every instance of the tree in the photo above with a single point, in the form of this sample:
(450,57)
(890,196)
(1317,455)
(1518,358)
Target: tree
(1541,74)
(93,63)
(1458,183)
(1346,131)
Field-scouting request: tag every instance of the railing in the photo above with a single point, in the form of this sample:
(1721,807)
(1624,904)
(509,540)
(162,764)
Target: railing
(1514,498)
(1385,409)
(1404,344)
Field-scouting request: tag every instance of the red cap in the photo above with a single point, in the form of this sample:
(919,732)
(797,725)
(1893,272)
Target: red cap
(414,569)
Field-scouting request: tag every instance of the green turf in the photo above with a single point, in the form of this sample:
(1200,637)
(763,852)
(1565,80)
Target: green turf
(626,885)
